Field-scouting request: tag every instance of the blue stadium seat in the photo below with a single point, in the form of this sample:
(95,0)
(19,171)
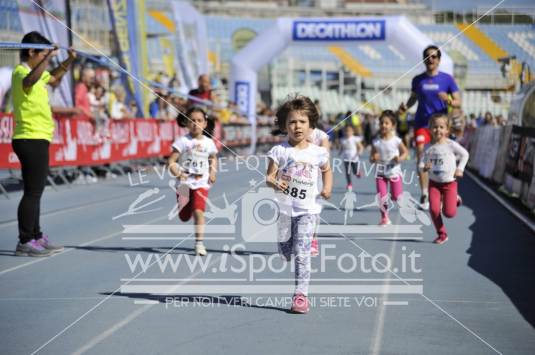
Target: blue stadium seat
(513,38)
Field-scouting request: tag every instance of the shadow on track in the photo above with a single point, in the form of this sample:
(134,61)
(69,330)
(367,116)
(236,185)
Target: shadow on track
(203,300)
(161,250)
(502,248)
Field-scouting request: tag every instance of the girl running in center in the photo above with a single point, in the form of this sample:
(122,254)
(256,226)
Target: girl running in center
(196,170)
(440,160)
(387,152)
(294,173)
(350,148)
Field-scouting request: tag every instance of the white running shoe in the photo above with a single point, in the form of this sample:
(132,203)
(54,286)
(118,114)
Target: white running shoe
(424,202)
(200,250)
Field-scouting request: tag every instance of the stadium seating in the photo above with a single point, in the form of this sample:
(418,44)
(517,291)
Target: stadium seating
(9,16)
(518,40)
(384,61)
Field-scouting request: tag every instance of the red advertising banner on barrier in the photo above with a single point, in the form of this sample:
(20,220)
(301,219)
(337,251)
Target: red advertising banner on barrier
(76,143)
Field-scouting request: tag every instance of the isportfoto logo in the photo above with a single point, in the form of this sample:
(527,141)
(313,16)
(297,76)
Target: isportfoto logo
(267,273)
(255,219)
(259,211)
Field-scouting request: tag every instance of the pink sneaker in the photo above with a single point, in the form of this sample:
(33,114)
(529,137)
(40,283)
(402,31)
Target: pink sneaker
(45,243)
(385,221)
(349,187)
(314,250)
(300,304)
(441,239)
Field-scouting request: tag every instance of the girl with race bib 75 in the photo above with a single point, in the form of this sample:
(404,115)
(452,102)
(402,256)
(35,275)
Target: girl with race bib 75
(440,160)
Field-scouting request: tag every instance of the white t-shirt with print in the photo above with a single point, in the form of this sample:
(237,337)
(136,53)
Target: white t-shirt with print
(301,169)
(388,149)
(317,136)
(349,148)
(194,153)
(443,159)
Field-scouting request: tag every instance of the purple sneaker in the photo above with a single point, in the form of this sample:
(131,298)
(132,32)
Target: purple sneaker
(31,248)
(45,243)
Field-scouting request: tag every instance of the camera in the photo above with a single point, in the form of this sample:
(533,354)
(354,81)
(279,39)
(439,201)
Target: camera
(259,216)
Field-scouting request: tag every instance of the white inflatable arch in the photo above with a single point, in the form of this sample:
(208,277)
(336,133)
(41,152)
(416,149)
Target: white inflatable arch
(395,30)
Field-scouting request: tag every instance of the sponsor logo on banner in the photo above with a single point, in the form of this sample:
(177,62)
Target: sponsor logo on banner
(520,163)
(338,30)
(13,158)
(70,146)
(145,131)
(77,143)
(166,131)
(242,95)
(127,35)
(120,132)
(6,129)
(84,133)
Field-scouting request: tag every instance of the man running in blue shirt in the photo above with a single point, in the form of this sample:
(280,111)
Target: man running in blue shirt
(435,91)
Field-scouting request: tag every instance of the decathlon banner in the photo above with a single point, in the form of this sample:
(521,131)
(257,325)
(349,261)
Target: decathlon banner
(123,16)
(33,18)
(353,30)
(76,143)
(395,30)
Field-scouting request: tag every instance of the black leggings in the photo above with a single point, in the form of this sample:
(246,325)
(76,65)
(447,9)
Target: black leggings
(33,156)
(350,167)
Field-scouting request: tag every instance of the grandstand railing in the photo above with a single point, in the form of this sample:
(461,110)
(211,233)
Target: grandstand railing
(509,15)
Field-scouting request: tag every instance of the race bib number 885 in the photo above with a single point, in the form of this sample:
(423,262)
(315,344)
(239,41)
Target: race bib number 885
(300,188)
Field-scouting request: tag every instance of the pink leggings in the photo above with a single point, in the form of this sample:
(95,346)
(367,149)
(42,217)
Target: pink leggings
(396,188)
(442,196)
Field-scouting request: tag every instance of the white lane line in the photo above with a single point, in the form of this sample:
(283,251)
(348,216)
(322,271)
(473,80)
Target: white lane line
(526,220)
(146,302)
(67,209)
(396,303)
(111,330)
(41,299)
(437,306)
(176,229)
(179,280)
(287,288)
(403,239)
(176,238)
(114,292)
(73,208)
(83,245)
(38,260)
(377,337)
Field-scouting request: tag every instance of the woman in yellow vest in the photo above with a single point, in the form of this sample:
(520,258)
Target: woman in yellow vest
(34,128)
